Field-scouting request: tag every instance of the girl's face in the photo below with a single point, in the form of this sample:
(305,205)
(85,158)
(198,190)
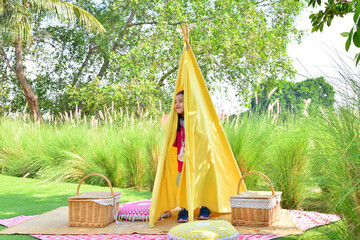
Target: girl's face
(179,104)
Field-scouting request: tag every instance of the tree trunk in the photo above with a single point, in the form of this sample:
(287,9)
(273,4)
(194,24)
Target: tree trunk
(30,96)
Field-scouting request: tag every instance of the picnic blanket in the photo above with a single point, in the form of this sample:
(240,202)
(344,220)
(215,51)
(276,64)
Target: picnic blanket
(56,222)
(303,220)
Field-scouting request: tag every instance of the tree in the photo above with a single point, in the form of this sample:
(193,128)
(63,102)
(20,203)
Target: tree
(239,42)
(18,18)
(292,96)
(338,8)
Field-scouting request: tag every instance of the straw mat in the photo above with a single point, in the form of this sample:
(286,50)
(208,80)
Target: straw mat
(56,222)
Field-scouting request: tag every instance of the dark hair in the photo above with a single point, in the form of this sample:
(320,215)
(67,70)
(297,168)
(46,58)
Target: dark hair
(180,116)
(181,92)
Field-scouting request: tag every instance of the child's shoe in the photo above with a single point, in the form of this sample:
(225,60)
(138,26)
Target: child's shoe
(204,213)
(183,216)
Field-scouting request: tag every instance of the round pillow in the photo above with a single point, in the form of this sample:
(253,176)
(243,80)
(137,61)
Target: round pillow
(210,229)
(137,211)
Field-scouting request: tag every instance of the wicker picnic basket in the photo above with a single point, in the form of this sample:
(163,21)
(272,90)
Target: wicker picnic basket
(255,208)
(93,209)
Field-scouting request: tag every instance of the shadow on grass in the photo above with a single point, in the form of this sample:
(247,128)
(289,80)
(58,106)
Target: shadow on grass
(22,204)
(15,237)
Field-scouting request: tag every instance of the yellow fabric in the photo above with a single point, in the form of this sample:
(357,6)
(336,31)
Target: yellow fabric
(210,174)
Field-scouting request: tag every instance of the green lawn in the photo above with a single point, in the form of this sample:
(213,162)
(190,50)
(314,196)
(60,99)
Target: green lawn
(28,197)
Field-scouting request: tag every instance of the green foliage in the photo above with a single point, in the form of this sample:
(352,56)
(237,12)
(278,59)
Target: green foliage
(338,9)
(292,96)
(139,97)
(241,42)
(19,21)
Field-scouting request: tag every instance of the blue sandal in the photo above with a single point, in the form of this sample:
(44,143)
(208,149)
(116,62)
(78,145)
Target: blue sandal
(183,216)
(204,213)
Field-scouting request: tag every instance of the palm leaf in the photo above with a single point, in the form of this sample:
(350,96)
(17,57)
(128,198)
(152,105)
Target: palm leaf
(16,17)
(69,13)
(15,20)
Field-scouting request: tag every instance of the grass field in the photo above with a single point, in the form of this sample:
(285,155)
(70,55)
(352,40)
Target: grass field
(27,197)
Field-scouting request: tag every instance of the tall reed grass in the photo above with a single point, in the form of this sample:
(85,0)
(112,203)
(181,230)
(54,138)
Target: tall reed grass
(126,149)
(279,149)
(290,173)
(249,137)
(68,148)
(337,168)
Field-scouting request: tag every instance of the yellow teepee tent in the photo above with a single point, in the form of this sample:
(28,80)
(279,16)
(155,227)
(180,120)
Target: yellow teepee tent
(210,174)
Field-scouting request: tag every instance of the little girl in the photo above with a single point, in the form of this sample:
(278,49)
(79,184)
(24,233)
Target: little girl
(180,145)
(180,134)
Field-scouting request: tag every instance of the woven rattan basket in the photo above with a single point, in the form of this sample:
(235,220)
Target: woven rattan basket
(255,208)
(93,209)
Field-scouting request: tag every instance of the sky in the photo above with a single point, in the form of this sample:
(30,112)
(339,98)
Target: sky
(323,53)
(318,50)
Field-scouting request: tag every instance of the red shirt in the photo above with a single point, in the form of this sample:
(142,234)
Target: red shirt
(180,145)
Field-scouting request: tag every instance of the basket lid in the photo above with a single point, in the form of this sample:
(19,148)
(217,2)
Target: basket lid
(94,195)
(257,195)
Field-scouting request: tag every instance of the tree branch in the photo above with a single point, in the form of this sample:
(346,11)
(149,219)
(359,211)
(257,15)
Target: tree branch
(3,78)
(128,25)
(6,60)
(260,2)
(86,61)
(250,56)
(141,23)
(162,79)
(43,41)
(172,24)
(116,44)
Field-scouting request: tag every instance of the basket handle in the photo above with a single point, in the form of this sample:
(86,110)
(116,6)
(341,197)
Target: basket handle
(96,174)
(259,173)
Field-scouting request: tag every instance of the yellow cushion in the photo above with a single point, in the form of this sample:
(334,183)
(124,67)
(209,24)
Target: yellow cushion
(210,229)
